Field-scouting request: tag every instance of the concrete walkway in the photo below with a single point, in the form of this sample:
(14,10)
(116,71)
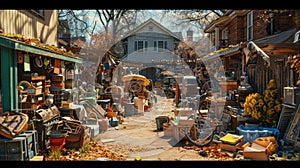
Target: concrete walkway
(142,131)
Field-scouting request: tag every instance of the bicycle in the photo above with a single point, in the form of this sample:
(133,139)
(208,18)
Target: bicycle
(207,129)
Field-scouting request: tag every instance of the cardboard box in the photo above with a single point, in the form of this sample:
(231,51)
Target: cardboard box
(231,142)
(257,152)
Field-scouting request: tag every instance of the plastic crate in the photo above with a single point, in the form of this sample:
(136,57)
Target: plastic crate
(250,133)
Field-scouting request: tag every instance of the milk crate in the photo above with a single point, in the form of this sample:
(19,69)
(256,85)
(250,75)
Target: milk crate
(31,142)
(13,149)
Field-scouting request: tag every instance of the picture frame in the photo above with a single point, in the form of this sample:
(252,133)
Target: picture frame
(292,133)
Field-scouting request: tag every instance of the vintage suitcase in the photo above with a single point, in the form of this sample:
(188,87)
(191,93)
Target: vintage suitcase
(47,114)
(13,123)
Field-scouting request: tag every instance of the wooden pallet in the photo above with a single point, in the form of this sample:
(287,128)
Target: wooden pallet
(285,118)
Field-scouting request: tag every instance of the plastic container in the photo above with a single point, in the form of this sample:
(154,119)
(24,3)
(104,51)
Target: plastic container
(250,133)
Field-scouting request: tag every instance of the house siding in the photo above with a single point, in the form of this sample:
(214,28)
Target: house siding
(150,37)
(29,24)
(282,22)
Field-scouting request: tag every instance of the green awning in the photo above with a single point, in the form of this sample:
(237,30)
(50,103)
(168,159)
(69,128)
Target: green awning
(21,46)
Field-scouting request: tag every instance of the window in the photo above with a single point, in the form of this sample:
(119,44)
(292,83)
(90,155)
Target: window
(224,40)
(140,46)
(160,45)
(39,12)
(225,33)
(250,26)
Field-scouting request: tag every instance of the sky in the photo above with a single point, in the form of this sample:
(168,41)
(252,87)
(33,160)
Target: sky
(167,21)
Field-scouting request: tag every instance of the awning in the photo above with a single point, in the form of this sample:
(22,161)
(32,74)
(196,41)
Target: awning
(231,50)
(21,46)
(252,47)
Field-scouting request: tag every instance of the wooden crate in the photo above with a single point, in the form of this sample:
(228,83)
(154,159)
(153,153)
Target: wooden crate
(13,149)
(257,152)
(285,118)
(31,142)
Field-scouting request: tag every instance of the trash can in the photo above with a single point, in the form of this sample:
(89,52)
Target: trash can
(159,122)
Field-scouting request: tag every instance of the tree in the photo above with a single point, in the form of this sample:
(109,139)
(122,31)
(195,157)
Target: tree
(198,17)
(112,23)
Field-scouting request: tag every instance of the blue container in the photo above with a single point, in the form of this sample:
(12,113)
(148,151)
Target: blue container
(250,133)
(106,65)
(113,121)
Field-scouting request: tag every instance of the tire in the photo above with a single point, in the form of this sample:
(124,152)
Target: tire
(199,136)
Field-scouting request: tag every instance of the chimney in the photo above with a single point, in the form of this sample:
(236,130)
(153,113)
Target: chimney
(189,35)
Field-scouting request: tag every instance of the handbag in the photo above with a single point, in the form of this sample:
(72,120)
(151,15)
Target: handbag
(13,123)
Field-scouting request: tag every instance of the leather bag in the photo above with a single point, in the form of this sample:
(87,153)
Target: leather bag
(13,123)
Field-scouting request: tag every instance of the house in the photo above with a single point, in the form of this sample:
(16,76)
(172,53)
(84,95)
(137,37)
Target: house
(269,34)
(151,46)
(30,54)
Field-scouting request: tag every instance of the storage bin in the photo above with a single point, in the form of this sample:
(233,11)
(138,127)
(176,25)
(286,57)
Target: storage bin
(114,122)
(250,133)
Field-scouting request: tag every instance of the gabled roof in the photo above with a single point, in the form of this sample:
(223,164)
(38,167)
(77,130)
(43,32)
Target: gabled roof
(149,21)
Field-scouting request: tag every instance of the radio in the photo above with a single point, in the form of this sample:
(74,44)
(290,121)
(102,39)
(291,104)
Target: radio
(291,95)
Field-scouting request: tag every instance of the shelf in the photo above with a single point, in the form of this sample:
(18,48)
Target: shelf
(35,78)
(56,89)
(38,92)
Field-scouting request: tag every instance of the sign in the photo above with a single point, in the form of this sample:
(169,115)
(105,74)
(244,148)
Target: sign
(26,62)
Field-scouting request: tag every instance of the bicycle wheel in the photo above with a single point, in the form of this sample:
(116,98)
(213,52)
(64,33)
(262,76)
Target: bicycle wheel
(200,134)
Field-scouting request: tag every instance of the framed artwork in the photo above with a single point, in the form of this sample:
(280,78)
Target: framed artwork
(292,134)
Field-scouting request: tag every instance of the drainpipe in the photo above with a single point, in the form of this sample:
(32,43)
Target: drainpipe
(271,14)
(217,38)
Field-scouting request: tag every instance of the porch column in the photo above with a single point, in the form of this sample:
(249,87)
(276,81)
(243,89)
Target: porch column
(9,79)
